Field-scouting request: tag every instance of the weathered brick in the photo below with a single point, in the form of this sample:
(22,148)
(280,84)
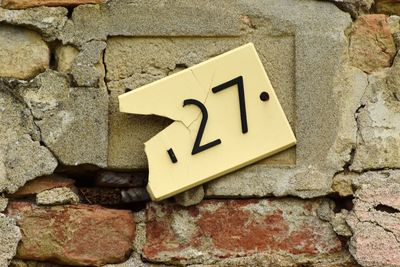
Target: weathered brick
(73,234)
(218,229)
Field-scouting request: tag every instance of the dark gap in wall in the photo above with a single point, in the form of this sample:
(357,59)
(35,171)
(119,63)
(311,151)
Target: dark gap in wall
(53,46)
(181,66)
(386,208)
(341,203)
(346,167)
(360,108)
(112,189)
(70,11)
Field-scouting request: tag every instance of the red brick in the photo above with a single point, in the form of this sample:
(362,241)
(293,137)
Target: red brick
(84,235)
(229,228)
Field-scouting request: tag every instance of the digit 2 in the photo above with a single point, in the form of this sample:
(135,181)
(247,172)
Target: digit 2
(197,148)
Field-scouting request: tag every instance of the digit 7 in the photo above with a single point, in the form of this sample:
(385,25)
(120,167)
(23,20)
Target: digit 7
(242,102)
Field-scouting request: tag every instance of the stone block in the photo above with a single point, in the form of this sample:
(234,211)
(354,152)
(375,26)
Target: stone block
(372,47)
(23,53)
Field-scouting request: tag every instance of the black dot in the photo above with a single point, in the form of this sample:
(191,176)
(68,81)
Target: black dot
(264,96)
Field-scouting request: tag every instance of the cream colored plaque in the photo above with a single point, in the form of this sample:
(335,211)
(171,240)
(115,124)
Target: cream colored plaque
(226,116)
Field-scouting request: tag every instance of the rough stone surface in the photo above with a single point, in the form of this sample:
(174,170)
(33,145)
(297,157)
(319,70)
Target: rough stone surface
(10,235)
(354,7)
(378,122)
(3,203)
(342,184)
(87,69)
(372,46)
(23,53)
(75,234)
(190,197)
(22,4)
(340,225)
(65,56)
(375,219)
(19,144)
(73,121)
(120,18)
(43,183)
(391,7)
(49,21)
(283,231)
(57,196)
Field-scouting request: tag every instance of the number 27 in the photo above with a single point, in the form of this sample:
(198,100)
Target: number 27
(197,147)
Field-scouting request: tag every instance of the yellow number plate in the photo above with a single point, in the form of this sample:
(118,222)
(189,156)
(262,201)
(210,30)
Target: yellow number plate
(226,116)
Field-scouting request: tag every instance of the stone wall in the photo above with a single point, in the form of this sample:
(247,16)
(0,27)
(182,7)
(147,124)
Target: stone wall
(73,170)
